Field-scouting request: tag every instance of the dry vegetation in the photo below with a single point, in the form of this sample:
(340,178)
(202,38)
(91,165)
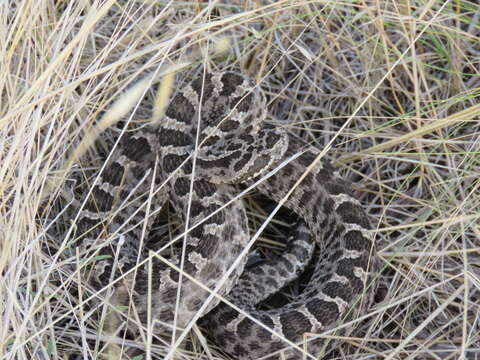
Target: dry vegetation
(390,87)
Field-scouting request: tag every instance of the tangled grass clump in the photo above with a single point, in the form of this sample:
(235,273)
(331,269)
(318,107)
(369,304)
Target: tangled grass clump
(389,89)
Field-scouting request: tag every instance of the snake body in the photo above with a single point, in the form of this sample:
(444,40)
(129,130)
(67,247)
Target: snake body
(212,136)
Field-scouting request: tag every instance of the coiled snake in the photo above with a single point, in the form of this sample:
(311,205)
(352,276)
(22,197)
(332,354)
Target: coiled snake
(223,114)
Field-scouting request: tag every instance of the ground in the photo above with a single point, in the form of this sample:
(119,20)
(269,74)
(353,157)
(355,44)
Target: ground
(389,89)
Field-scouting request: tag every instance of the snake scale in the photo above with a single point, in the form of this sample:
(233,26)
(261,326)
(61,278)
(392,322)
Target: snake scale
(219,118)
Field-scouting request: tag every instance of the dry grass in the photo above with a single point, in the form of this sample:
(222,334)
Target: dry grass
(395,84)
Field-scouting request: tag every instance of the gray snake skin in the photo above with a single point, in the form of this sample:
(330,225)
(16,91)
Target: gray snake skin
(219,118)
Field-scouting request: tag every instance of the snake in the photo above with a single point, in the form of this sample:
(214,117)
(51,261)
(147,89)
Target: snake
(212,137)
